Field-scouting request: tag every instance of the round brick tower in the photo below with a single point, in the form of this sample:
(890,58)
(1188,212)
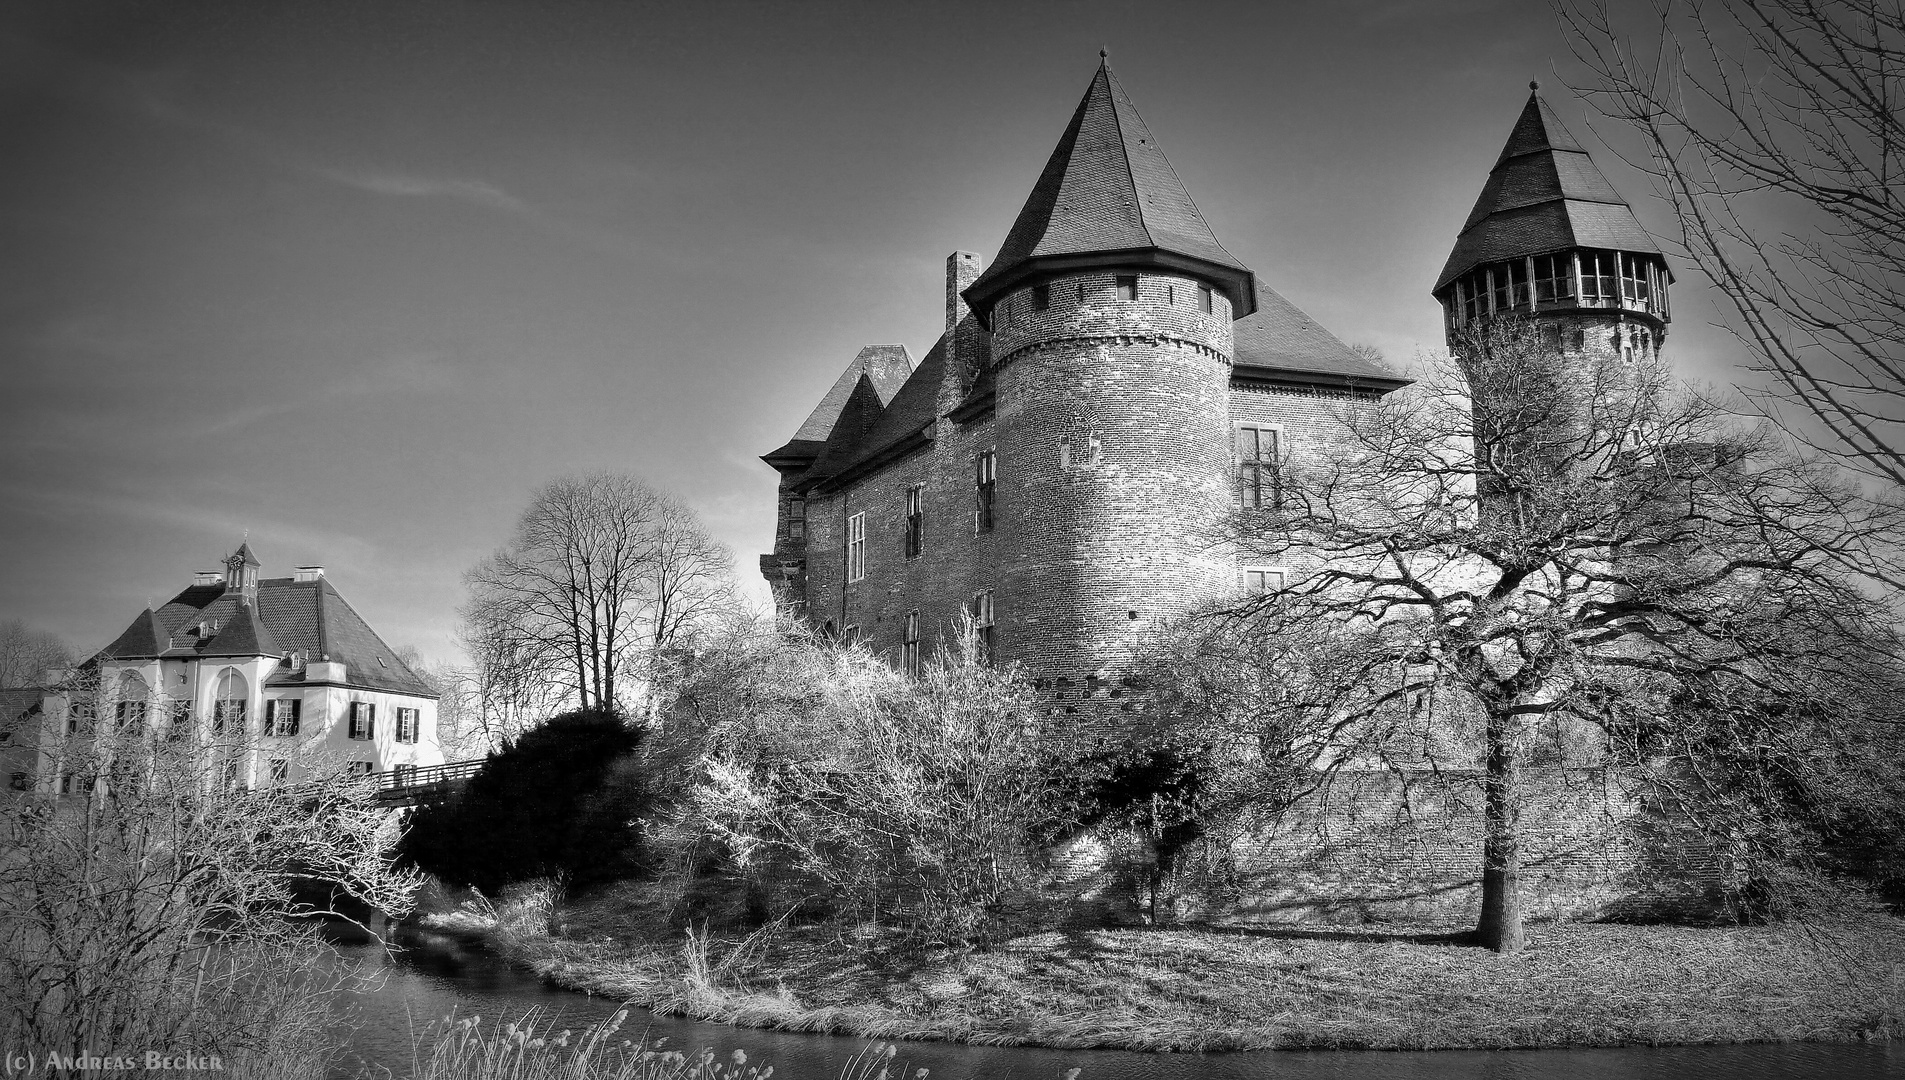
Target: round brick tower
(1550,240)
(1110,307)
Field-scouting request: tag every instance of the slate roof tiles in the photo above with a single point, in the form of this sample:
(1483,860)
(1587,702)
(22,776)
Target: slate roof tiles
(1544,194)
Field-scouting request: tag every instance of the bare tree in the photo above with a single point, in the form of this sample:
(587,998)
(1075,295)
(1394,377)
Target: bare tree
(603,575)
(158,903)
(26,654)
(1521,557)
(1773,131)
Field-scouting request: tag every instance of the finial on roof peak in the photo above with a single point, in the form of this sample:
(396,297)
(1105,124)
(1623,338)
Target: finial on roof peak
(1104,54)
(1533,85)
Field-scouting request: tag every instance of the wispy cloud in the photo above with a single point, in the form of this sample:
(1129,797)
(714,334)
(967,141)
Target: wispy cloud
(475,192)
(397,373)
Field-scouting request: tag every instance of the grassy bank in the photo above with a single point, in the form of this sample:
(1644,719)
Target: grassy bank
(1313,988)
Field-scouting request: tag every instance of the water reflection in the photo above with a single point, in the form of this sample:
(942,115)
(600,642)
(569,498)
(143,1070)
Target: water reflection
(430,974)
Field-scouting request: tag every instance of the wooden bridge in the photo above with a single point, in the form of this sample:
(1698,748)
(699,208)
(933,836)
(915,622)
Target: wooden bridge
(409,785)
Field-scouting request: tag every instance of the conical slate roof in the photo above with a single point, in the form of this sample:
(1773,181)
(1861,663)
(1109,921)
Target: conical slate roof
(1109,196)
(1544,194)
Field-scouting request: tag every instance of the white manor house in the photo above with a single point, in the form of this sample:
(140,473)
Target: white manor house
(281,671)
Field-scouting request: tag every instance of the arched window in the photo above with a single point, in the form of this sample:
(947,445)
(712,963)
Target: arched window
(228,709)
(130,707)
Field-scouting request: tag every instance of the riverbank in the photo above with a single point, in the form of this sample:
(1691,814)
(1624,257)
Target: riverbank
(1244,989)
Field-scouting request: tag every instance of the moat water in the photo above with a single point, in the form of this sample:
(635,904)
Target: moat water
(422,976)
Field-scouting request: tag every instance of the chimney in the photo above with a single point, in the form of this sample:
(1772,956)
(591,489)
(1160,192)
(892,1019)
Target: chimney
(208,577)
(962,269)
(307,573)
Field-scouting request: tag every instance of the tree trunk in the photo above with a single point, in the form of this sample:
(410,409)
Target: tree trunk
(1500,927)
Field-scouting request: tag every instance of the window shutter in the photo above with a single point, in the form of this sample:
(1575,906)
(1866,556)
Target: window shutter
(370,721)
(294,706)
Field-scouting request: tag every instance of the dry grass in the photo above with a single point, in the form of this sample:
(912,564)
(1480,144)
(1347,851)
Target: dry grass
(1241,989)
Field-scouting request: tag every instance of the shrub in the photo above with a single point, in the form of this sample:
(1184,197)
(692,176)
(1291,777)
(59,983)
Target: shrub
(564,800)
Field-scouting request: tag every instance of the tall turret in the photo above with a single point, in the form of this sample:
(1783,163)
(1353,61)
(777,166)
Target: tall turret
(1551,238)
(1110,307)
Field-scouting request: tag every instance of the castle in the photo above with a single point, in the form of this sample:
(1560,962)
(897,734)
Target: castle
(1116,382)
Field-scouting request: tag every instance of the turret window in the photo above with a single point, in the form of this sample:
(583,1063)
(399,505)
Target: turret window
(1041,297)
(1634,283)
(797,519)
(1518,284)
(1597,277)
(1204,300)
(1127,286)
(1554,277)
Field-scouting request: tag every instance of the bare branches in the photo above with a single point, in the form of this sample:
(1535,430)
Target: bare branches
(1774,133)
(603,576)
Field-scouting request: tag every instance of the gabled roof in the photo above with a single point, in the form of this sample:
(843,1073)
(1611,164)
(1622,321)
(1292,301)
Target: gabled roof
(1279,337)
(1109,195)
(857,420)
(885,366)
(1543,195)
(913,409)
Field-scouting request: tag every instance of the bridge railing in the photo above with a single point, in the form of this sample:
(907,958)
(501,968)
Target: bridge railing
(409,778)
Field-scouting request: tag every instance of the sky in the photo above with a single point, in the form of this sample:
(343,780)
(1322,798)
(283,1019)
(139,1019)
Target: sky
(349,280)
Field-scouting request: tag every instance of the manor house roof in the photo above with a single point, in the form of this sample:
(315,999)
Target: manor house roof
(288,615)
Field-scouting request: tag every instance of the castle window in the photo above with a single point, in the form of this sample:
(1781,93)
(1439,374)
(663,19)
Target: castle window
(1261,579)
(915,520)
(1498,278)
(1554,277)
(982,624)
(985,478)
(407,724)
(363,722)
(1204,300)
(1551,336)
(1518,283)
(1002,314)
(857,546)
(851,635)
(1580,340)
(1127,286)
(280,770)
(1170,295)
(1258,486)
(909,646)
(797,519)
(281,716)
(1597,277)
(1473,306)
(1041,297)
(1634,286)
